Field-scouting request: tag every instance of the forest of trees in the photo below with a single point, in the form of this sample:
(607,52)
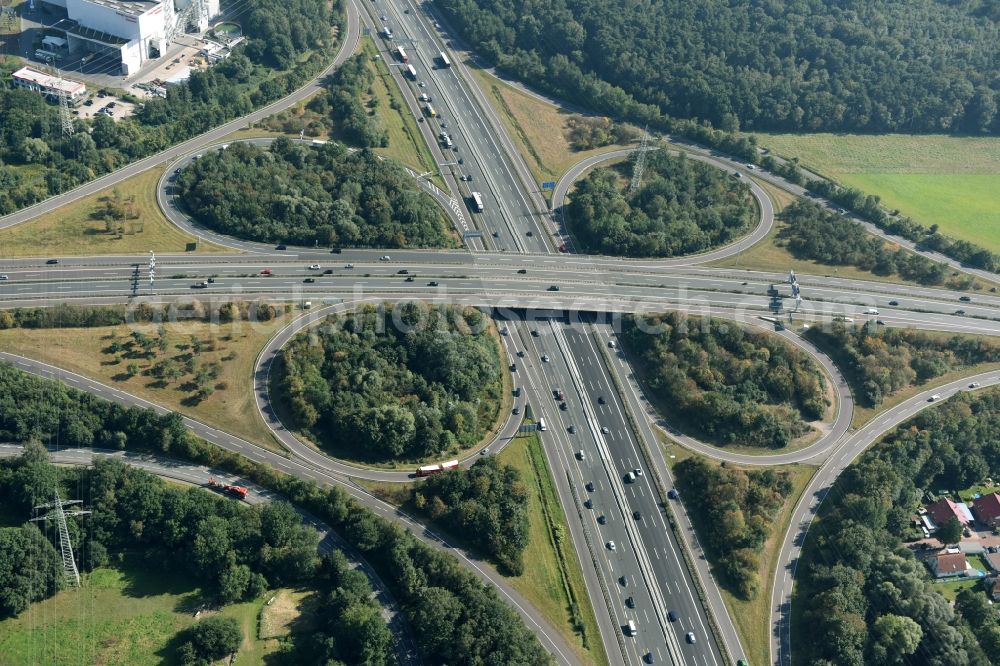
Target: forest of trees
(682,207)
(813,232)
(342,104)
(865,599)
(733,510)
(234,551)
(878,361)
(724,383)
(486,505)
(278,36)
(394,382)
(446,605)
(918,66)
(298,193)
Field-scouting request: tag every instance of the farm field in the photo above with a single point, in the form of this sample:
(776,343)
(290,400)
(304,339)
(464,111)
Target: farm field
(953,182)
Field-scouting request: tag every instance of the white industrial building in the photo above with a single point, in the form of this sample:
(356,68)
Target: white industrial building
(52,87)
(133,32)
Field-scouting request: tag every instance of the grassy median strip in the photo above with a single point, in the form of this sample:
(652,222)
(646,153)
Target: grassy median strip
(124,219)
(231,348)
(552,580)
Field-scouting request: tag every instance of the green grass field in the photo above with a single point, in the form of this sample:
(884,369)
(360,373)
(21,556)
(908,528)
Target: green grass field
(953,182)
(128,616)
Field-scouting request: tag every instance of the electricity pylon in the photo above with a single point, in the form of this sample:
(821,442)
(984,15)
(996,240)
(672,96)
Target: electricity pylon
(65,546)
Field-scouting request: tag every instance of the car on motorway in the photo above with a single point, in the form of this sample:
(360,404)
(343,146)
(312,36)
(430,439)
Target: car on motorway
(402,271)
(199,285)
(590,486)
(602,519)
(965,299)
(484,451)
(630,477)
(328,271)
(349,266)
(752,167)
(737,174)
(673,494)
(934,398)
(520,353)
(545,358)
(432,283)
(529,233)
(580,455)
(513,367)
(605,430)
(554,287)
(611,545)
(314,267)
(335,250)
(630,602)
(893,303)
(534,332)
(385,257)
(601,400)
(637,515)
(672,616)
(649,658)
(522,271)
(690,638)
(3,276)
(52,261)
(266,272)
(974,385)
(309,280)
(280,247)
(516,410)
(571,430)
(637,471)
(960,313)
(588,503)
(409,278)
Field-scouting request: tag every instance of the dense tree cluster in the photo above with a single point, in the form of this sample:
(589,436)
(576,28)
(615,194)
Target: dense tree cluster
(298,193)
(486,505)
(813,232)
(724,383)
(682,207)
(293,36)
(30,567)
(392,382)
(865,598)
(349,117)
(879,361)
(802,66)
(210,640)
(733,509)
(446,605)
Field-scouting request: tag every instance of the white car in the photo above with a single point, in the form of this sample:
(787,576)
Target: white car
(752,167)
(349,266)
(611,545)
(385,257)
(545,358)
(314,267)
(3,277)
(934,398)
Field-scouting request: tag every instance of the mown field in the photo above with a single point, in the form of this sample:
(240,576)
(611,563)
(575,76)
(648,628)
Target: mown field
(953,182)
(127,616)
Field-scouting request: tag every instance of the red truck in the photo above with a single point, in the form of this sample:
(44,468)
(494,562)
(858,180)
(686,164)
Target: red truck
(237,491)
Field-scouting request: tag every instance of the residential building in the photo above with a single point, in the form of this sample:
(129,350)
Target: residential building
(987,509)
(944,510)
(949,563)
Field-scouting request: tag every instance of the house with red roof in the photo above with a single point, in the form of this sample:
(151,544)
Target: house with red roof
(987,509)
(948,563)
(944,510)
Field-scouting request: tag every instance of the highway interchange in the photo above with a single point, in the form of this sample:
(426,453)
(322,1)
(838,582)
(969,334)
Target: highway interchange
(514,267)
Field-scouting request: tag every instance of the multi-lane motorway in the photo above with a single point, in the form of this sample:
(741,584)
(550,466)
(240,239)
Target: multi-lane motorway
(634,566)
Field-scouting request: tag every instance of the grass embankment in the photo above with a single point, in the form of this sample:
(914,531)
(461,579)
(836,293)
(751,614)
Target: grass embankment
(771,255)
(935,179)
(552,580)
(538,129)
(753,618)
(128,616)
(232,408)
(73,229)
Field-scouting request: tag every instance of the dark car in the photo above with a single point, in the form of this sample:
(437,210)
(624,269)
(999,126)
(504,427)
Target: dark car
(649,658)
(554,287)
(513,367)
(563,406)
(211,280)
(336,250)
(590,486)
(410,278)
(328,271)
(572,429)
(893,302)
(630,602)
(673,494)
(601,400)
(637,515)
(522,271)
(52,261)
(309,280)
(432,283)
(965,299)
(672,616)
(534,332)
(960,312)
(281,247)
(402,271)
(530,233)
